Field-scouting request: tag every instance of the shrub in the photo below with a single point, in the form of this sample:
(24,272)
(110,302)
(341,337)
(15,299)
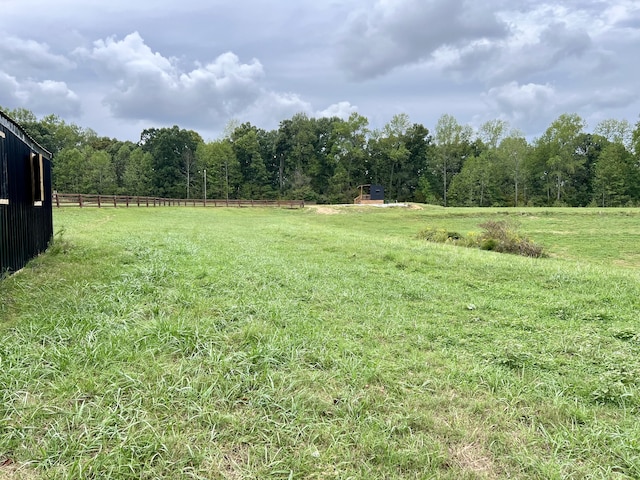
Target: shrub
(439,236)
(497,236)
(502,236)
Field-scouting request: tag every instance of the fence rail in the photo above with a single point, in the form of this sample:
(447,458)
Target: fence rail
(60,200)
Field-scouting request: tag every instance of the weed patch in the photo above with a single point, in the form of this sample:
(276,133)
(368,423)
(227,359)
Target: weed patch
(497,236)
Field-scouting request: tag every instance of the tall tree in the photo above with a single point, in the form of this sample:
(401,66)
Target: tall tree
(395,153)
(172,150)
(68,170)
(616,177)
(557,148)
(295,155)
(493,132)
(513,151)
(348,152)
(453,146)
(616,131)
(100,175)
(635,141)
(137,178)
(474,185)
(223,170)
(246,147)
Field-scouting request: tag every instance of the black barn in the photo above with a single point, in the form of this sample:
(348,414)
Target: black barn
(26,223)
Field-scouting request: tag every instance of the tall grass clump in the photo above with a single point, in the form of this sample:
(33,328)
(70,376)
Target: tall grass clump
(497,236)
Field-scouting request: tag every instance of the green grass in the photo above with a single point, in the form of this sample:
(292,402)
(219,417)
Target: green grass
(257,343)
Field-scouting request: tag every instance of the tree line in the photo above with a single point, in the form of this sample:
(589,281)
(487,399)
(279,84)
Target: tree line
(324,160)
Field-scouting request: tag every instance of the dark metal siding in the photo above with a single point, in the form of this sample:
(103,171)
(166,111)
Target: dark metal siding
(25,229)
(376,192)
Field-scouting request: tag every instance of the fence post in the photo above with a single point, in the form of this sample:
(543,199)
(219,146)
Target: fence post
(114,202)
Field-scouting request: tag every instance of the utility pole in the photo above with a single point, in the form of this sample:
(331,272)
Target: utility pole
(226,177)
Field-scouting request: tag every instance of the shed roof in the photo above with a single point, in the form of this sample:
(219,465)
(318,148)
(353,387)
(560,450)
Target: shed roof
(15,128)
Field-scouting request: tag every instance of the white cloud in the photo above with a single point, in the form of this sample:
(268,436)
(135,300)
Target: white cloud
(150,86)
(40,97)
(272,107)
(527,105)
(341,110)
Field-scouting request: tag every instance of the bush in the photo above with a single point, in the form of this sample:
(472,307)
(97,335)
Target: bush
(502,236)
(439,236)
(497,236)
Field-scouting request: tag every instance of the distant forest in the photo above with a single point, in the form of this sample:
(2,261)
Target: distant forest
(324,160)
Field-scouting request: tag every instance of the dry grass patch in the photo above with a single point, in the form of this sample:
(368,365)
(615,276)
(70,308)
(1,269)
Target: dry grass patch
(327,210)
(472,458)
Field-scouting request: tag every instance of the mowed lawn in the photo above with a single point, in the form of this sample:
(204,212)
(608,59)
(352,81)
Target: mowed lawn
(322,343)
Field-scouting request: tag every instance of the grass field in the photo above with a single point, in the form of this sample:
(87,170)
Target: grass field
(322,343)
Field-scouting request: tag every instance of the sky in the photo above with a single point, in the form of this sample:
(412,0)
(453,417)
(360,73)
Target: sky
(121,66)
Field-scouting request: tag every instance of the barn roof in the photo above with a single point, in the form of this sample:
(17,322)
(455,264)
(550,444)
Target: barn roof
(11,125)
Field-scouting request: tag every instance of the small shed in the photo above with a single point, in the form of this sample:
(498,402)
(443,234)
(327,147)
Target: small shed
(370,195)
(26,217)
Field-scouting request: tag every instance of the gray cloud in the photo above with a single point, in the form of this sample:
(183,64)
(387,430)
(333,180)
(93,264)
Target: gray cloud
(22,57)
(530,105)
(199,63)
(42,97)
(147,85)
(495,62)
(393,34)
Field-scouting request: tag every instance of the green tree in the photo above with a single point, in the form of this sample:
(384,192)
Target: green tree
(512,152)
(616,177)
(121,159)
(137,178)
(616,131)
(419,143)
(394,154)
(635,142)
(295,155)
(246,147)
(172,151)
(348,152)
(68,171)
(493,132)
(453,143)
(556,159)
(223,170)
(99,177)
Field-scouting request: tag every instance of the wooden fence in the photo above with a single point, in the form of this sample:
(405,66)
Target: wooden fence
(80,200)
